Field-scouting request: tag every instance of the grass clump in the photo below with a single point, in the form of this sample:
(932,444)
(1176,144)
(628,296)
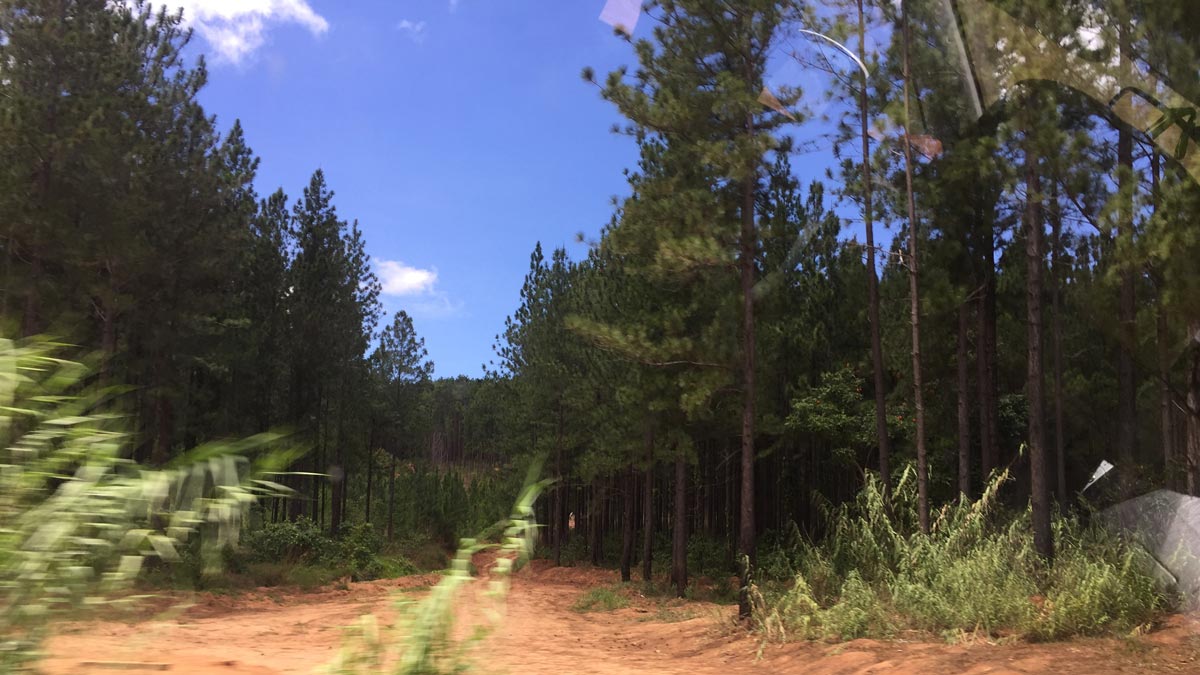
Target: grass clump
(601,599)
(876,574)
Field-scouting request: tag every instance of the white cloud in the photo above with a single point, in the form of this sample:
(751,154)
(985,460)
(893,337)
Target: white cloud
(400,279)
(453,5)
(236,28)
(418,288)
(415,29)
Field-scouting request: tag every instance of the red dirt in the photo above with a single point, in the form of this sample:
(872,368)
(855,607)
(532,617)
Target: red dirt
(273,631)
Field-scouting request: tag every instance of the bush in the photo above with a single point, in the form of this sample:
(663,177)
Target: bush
(298,541)
(359,551)
(302,544)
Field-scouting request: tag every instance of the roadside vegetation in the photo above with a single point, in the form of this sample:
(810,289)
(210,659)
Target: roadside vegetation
(975,575)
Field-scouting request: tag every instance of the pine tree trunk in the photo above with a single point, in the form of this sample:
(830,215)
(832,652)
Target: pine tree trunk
(31,319)
(1166,417)
(989,413)
(164,427)
(1056,284)
(964,407)
(914,293)
(559,506)
(881,427)
(627,526)
(370,471)
(679,529)
(1127,305)
(648,511)
(1042,540)
(749,246)
(337,472)
(1193,417)
(391,516)
(1163,340)
(596,520)
(108,336)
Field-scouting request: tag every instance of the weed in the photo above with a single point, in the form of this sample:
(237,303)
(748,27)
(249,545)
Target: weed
(975,574)
(603,598)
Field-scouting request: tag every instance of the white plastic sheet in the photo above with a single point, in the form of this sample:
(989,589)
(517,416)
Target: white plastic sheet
(768,99)
(1104,468)
(622,14)
(1167,525)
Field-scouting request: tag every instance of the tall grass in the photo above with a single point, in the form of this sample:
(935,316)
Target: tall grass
(78,519)
(975,573)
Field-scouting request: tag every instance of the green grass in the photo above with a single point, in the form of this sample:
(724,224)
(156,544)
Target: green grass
(976,573)
(601,599)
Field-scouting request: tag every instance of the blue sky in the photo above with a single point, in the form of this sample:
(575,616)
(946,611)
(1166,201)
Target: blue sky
(457,132)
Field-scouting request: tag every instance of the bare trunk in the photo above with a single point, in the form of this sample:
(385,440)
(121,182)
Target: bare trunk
(914,294)
(964,407)
(1162,332)
(648,510)
(1193,418)
(391,516)
(335,504)
(164,429)
(31,320)
(679,529)
(559,516)
(596,520)
(989,440)
(1042,540)
(1056,283)
(1166,417)
(1127,306)
(627,529)
(881,428)
(749,246)
(370,471)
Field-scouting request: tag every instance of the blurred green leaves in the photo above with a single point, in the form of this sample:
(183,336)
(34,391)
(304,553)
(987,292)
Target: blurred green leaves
(78,518)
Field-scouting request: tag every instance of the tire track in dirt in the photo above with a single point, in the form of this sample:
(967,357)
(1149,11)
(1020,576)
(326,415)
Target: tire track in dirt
(274,632)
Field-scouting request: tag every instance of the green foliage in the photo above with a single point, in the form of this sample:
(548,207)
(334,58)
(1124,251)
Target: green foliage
(835,410)
(290,541)
(975,572)
(301,544)
(441,505)
(79,519)
(708,556)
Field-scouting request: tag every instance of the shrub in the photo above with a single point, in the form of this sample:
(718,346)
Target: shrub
(358,550)
(291,541)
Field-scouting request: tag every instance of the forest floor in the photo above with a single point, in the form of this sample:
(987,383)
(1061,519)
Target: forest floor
(273,631)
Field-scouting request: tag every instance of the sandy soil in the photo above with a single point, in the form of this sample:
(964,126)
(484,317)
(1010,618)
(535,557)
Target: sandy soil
(275,631)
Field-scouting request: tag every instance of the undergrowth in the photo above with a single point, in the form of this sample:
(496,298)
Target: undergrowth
(295,553)
(975,573)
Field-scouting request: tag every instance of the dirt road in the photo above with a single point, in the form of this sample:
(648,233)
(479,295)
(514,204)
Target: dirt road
(274,632)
